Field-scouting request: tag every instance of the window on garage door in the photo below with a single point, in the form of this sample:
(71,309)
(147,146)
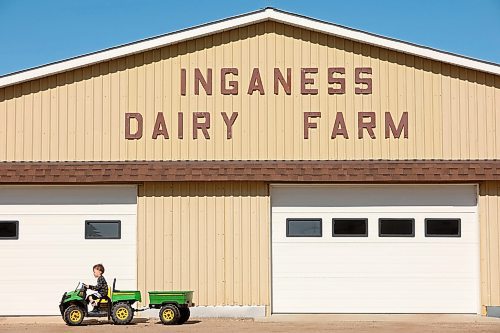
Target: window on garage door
(349,227)
(102,229)
(304,227)
(442,227)
(396,227)
(9,229)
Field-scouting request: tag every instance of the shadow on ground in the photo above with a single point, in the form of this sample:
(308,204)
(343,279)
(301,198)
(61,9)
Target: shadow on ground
(135,321)
(94,322)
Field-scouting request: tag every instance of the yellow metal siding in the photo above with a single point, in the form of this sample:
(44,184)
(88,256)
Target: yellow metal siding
(209,237)
(79,115)
(489,217)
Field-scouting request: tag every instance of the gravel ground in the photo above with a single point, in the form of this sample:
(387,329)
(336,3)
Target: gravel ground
(250,326)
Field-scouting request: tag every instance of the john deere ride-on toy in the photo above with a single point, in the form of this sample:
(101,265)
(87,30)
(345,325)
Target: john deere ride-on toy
(117,305)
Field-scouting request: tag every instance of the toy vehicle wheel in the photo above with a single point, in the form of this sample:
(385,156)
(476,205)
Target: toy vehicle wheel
(73,315)
(122,313)
(185,313)
(169,314)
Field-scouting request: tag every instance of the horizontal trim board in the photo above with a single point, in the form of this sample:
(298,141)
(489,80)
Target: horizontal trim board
(269,171)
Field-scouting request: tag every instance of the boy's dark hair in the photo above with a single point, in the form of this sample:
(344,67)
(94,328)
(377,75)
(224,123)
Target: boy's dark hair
(99,267)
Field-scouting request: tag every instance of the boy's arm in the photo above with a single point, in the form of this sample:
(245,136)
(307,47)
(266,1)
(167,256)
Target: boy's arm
(89,286)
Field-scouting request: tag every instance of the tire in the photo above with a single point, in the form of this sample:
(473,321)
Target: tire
(169,314)
(73,315)
(122,313)
(185,313)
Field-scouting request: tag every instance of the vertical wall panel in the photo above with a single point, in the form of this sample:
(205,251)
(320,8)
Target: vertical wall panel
(208,237)
(489,217)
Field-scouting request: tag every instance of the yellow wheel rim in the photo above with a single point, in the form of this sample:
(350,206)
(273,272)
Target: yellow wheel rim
(168,314)
(75,316)
(122,313)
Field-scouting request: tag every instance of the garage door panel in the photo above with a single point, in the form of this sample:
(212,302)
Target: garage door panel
(68,229)
(367,197)
(376,274)
(374,262)
(52,255)
(468,226)
(338,295)
(74,196)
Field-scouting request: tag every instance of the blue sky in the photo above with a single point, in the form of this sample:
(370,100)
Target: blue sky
(35,32)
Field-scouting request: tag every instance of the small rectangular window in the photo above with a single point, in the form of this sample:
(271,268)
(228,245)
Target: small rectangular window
(442,228)
(396,227)
(9,229)
(304,228)
(102,229)
(350,227)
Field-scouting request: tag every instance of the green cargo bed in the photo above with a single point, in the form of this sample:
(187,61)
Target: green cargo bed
(126,296)
(181,298)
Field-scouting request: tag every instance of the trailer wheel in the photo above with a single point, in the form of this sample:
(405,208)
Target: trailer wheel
(185,313)
(122,313)
(73,315)
(169,314)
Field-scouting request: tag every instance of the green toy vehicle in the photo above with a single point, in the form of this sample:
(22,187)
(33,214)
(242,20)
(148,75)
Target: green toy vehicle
(117,305)
(173,305)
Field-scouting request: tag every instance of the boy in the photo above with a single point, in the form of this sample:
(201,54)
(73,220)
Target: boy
(101,287)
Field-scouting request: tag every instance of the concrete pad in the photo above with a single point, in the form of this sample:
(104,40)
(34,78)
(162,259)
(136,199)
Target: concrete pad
(324,324)
(43,320)
(410,318)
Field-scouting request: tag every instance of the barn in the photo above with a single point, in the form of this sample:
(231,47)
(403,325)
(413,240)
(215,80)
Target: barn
(270,162)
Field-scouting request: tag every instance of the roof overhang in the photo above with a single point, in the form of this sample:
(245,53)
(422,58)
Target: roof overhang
(268,14)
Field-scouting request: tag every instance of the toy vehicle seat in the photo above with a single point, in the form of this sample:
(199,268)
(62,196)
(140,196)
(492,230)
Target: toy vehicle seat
(105,299)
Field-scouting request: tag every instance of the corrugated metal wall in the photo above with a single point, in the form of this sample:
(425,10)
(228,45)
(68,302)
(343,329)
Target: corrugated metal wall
(489,217)
(79,115)
(209,237)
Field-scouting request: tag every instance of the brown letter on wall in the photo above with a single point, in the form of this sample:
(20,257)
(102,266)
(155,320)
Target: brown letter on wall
(138,134)
(233,85)
(307,124)
(339,126)
(255,82)
(367,81)
(183,81)
(307,80)
(203,126)
(369,125)
(340,89)
(207,84)
(229,123)
(160,127)
(391,127)
(278,78)
(180,125)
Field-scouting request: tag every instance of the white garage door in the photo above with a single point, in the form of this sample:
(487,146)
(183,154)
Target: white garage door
(375,249)
(53,235)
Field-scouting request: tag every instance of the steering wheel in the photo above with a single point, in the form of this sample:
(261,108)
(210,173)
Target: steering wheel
(80,286)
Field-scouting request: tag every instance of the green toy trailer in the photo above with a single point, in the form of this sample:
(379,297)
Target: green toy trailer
(173,305)
(117,305)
